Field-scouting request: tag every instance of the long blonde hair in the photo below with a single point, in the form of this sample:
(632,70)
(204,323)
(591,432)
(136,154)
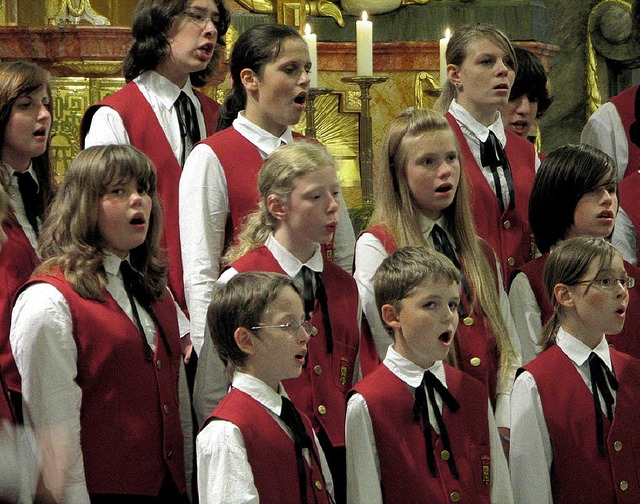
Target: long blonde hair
(395,210)
(458,49)
(71,239)
(277,176)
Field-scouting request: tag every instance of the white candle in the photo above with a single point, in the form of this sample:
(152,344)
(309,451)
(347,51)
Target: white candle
(444,42)
(364,45)
(311,39)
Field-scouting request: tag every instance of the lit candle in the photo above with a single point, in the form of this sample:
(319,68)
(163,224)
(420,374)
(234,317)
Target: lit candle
(311,39)
(364,45)
(444,42)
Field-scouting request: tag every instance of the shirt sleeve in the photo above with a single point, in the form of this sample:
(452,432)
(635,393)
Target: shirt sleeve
(530,454)
(19,463)
(46,357)
(526,315)
(363,465)
(344,239)
(505,380)
(106,128)
(500,481)
(224,472)
(624,237)
(604,130)
(369,255)
(203,211)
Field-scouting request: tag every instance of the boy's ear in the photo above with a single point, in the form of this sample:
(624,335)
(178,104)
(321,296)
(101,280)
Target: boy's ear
(249,79)
(563,295)
(389,316)
(244,340)
(276,207)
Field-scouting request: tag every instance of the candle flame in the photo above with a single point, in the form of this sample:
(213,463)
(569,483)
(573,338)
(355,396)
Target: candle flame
(447,33)
(307,29)
(364,15)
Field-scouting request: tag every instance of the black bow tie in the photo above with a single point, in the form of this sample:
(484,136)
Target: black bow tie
(421,409)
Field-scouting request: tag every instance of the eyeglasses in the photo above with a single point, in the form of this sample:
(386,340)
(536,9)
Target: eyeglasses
(200,17)
(292,328)
(609,283)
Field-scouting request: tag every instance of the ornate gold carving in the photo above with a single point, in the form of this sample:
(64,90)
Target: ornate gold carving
(71,97)
(291,12)
(426,89)
(92,67)
(74,11)
(311,8)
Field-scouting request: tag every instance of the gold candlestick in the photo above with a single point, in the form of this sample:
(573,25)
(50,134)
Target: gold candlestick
(366,141)
(310,109)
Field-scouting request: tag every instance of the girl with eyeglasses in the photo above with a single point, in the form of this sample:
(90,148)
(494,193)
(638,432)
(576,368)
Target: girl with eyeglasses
(574,408)
(298,211)
(575,193)
(176,45)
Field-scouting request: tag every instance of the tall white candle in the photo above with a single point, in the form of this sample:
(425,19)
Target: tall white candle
(444,42)
(311,39)
(364,45)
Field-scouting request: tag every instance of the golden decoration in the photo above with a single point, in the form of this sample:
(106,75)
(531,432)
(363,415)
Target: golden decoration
(92,67)
(74,11)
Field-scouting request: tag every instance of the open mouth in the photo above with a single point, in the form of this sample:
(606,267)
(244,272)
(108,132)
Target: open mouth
(445,337)
(301,358)
(138,220)
(621,311)
(208,47)
(504,86)
(444,188)
(606,214)
(301,99)
(40,132)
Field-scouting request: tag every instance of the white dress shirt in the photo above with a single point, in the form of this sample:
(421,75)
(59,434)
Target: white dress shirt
(476,133)
(211,383)
(370,253)
(46,356)
(224,472)
(527,317)
(204,207)
(531,454)
(19,463)
(363,462)
(107,126)
(15,199)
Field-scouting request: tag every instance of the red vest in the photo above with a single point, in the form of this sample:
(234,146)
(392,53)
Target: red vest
(129,420)
(146,134)
(401,446)
(241,162)
(6,408)
(18,259)
(625,106)
(627,340)
(271,452)
(476,347)
(579,473)
(319,392)
(507,232)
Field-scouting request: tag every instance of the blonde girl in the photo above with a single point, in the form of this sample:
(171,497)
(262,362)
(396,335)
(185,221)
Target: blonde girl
(95,335)
(574,408)
(422,199)
(500,166)
(298,211)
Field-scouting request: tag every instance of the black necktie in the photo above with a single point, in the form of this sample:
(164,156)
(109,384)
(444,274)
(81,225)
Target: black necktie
(189,129)
(443,245)
(420,409)
(301,440)
(31,199)
(309,302)
(492,155)
(128,278)
(600,375)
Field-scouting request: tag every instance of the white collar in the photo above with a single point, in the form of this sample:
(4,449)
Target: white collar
(578,352)
(480,131)
(409,372)
(260,391)
(262,139)
(289,263)
(14,180)
(166,91)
